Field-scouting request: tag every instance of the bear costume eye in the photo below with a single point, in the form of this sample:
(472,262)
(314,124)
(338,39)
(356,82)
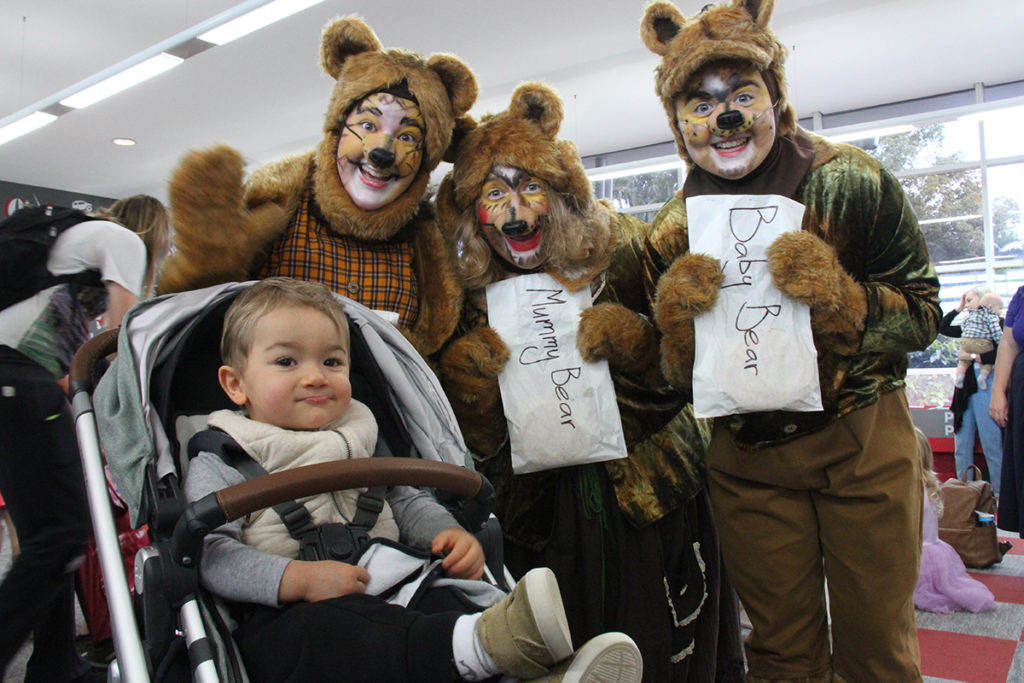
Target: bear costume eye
(703,109)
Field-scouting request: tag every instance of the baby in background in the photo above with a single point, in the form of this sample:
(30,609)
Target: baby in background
(993,302)
(980,333)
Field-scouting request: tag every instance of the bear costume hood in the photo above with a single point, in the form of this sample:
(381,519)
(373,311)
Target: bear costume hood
(734,30)
(525,136)
(442,85)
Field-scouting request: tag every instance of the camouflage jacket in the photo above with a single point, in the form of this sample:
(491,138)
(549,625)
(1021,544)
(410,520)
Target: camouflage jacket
(859,208)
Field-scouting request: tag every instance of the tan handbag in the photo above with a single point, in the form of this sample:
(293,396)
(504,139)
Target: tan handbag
(971,534)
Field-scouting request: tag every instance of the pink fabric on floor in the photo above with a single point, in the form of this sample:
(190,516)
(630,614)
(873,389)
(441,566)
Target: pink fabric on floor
(944,584)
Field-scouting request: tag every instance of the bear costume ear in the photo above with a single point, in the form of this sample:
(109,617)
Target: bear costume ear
(458,80)
(760,11)
(344,38)
(661,23)
(464,125)
(538,103)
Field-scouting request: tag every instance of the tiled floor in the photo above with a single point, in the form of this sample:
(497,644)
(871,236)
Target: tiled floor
(980,648)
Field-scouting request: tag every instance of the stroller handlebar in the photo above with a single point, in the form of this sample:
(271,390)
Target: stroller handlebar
(229,504)
(261,492)
(86,358)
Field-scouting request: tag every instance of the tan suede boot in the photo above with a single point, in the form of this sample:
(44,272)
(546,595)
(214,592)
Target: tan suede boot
(607,658)
(527,632)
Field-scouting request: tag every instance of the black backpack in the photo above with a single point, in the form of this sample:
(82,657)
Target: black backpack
(26,238)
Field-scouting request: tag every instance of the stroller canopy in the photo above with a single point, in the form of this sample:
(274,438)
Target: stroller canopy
(155,339)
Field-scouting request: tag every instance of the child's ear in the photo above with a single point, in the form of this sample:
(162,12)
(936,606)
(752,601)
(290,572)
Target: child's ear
(231,383)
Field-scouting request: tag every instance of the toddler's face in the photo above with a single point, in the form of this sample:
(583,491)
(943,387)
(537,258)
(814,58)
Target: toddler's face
(296,372)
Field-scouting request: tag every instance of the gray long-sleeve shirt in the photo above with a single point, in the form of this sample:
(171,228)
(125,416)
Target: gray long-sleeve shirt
(239,572)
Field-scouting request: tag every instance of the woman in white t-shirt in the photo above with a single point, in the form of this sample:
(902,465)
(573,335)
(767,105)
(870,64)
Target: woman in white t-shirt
(40,471)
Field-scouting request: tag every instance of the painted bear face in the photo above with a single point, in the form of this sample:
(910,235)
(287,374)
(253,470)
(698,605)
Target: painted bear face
(511,212)
(380,149)
(726,120)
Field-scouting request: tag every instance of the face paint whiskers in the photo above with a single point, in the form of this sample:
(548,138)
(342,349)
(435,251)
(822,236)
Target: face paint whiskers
(744,126)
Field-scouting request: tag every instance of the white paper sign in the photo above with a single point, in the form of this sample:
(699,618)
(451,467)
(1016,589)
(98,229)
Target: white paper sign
(754,349)
(561,410)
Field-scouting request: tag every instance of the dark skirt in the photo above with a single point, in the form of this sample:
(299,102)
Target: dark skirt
(663,584)
(1011,485)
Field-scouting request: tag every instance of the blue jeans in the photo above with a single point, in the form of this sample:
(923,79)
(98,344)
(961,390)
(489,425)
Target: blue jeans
(976,420)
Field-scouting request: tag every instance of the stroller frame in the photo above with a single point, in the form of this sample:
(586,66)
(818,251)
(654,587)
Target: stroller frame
(172,561)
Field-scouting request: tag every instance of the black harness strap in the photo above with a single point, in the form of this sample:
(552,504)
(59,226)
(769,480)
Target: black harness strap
(296,517)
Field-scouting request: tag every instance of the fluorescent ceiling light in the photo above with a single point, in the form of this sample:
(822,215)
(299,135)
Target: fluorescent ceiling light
(24,125)
(122,80)
(255,20)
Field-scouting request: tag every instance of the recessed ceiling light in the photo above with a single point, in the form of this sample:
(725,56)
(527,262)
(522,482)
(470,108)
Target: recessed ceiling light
(124,142)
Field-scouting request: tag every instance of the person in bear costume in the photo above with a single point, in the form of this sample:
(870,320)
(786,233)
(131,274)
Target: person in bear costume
(351,214)
(631,540)
(801,497)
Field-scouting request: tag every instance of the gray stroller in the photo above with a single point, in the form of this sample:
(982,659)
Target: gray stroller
(155,396)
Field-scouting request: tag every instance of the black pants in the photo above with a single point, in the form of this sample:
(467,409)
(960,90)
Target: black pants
(354,638)
(44,489)
(1011,488)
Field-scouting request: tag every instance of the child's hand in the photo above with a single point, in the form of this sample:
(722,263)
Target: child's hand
(313,581)
(464,556)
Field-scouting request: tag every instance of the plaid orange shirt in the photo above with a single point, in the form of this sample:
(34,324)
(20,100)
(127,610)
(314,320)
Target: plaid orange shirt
(378,275)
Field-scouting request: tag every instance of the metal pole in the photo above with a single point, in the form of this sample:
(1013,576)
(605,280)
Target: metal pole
(200,650)
(127,644)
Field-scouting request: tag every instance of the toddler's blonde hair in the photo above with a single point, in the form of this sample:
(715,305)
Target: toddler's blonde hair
(931,482)
(269,295)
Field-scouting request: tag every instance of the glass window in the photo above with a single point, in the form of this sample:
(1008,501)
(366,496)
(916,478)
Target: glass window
(1002,132)
(949,208)
(907,147)
(644,189)
(1006,196)
(960,260)
(641,190)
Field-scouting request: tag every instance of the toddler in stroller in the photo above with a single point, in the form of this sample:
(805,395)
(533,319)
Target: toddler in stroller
(370,601)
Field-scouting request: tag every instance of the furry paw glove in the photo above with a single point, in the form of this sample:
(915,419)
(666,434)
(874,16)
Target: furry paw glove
(210,220)
(471,364)
(469,375)
(627,340)
(688,288)
(806,268)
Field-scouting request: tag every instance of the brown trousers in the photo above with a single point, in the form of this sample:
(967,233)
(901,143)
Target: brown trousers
(842,505)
